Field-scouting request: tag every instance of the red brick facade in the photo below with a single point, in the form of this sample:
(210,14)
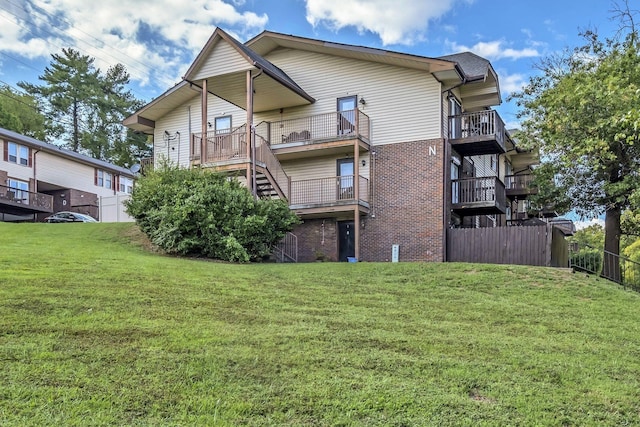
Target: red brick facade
(317,240)
(408,203)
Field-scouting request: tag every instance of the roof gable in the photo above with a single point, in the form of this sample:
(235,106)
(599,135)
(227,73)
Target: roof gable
(224,54)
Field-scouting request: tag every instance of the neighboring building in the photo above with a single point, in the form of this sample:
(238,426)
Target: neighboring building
(37,179)
(371,148)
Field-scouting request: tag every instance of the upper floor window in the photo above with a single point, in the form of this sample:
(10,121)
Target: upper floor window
(18,154)
(126,185)
(104,179)
(494,162)
(223,124)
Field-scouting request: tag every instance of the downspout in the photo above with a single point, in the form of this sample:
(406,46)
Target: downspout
(190,154)
(35,180)
(250,129)
(203,137)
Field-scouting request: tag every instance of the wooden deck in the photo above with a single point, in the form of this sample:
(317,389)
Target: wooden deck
(478,133)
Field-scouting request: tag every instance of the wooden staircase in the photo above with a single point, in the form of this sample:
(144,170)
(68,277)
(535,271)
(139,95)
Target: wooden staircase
(228,154)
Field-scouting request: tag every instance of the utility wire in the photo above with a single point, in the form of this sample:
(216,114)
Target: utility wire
(145,70)
(57,46)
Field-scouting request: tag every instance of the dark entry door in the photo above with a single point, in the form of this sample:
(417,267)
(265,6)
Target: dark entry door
(346,240)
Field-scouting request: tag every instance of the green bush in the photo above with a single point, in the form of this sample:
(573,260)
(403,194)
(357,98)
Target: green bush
(197,212)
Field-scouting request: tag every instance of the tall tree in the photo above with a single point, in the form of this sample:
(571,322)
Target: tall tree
(583,112)
(86,107)
(19,112)
(70,90)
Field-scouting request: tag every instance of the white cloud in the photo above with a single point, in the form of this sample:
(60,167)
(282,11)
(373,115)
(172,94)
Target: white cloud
(494,50)
(395,21)
(153,39)
(510,83)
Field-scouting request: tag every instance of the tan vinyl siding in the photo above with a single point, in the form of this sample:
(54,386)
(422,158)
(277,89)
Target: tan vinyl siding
(483,165)
(178,149)
(70,174)
(224,59)
(323,167)
(403,104)
(22,173)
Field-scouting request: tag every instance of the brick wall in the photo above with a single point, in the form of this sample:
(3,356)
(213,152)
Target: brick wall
(408,203)
(75,201)
(317,238)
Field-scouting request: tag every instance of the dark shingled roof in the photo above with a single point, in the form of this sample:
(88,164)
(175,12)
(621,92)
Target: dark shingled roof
(63,152)
(473,66)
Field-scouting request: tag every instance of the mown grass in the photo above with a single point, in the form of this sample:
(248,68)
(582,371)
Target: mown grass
(96,330)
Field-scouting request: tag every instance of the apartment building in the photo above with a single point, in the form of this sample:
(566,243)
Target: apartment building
(378,152)
(37,179)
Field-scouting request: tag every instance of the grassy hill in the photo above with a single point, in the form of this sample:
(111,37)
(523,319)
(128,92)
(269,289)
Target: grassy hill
(96,330)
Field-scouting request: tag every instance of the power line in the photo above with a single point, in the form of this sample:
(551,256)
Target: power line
(78,39)
(21,62)
(146,68)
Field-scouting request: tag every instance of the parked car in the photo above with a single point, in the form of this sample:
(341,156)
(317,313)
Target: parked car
(69,217)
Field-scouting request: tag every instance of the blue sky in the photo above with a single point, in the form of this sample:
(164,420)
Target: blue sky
(157,39)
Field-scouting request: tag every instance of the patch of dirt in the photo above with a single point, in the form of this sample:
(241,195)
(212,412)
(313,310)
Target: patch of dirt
(475,394)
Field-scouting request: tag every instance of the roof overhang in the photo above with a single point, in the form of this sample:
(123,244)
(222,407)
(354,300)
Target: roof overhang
(144,120)
(272,88)
(268,41)
(268,93)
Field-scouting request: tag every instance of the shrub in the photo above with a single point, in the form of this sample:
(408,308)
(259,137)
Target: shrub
(198,212)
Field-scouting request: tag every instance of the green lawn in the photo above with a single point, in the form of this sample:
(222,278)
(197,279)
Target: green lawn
(95,330)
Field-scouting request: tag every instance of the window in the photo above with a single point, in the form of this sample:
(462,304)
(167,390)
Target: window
(223,124)
(104,179)
(20,190)
(126,185)
(494,162)
(18,154)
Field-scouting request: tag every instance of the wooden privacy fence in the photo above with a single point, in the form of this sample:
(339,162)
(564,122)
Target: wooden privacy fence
(542,245)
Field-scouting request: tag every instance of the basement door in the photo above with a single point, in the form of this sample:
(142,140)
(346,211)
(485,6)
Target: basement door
(346,240)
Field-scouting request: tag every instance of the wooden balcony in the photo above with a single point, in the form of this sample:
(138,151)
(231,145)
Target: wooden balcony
(477,133)
(478,196)
(21,202)
(329,196)
(519,186)
(228,153)
(329,132)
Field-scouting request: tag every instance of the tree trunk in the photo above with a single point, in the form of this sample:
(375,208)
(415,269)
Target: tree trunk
(75,144)
(612,231)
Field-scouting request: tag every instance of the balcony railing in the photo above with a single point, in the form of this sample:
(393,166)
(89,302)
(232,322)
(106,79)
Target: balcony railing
(325,191)
(219,147)
(320,128)
(519,185)
(265,156)
(484,129)
(232,148)
(26,200)
(484,195)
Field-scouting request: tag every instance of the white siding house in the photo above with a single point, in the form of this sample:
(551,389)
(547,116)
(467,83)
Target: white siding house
(37,179)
